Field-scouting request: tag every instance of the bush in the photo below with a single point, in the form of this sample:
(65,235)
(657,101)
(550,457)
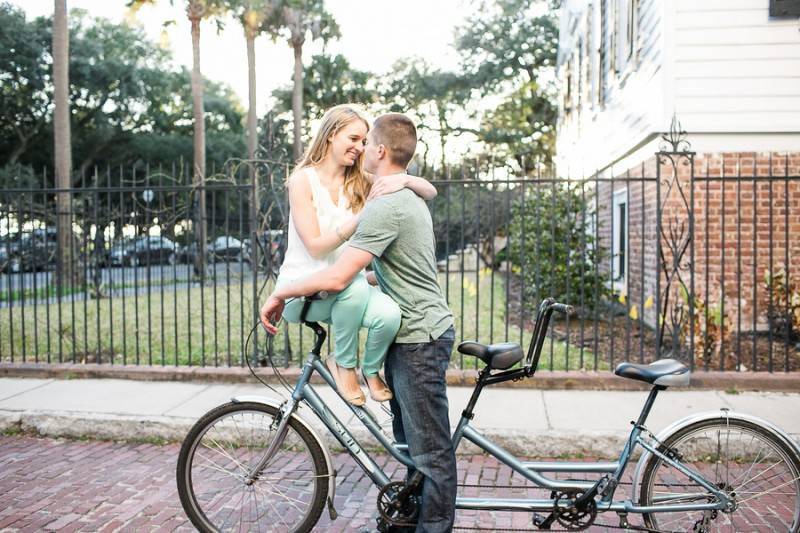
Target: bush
(560,252)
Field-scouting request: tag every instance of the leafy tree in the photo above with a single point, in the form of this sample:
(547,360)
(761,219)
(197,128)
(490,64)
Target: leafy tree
(24,96)
(508,48)
(129,105)
(419,89)
(329,81)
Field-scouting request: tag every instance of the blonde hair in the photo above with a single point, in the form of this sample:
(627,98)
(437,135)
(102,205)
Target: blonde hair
(356,185)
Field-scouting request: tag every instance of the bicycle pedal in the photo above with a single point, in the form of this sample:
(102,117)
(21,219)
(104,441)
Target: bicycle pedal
(543,522)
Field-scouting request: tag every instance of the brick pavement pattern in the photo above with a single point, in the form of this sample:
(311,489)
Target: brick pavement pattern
(66,485)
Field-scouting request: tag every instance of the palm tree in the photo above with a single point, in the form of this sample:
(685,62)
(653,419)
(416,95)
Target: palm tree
(196,11)
(298,18)
(255,16)
(63,143)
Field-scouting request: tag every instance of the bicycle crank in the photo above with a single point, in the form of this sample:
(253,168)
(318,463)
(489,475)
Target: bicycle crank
(396,512)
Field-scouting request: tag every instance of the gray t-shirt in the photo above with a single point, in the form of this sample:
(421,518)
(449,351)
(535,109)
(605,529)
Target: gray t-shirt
(397,229)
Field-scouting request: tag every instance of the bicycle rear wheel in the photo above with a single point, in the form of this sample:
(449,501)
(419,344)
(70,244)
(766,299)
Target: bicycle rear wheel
(221,448)
(751,463)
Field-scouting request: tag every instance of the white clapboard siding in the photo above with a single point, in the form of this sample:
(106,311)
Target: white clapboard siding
(721,122)
(737,104)
(735,69)
(726,52)
(741,36)
(749,87)
(723,66)
(633,104)
(689,20)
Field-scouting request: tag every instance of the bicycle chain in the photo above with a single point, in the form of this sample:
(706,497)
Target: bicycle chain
(609,526)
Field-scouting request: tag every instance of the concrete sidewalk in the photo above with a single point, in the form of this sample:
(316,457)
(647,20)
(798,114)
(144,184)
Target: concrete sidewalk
(533,422)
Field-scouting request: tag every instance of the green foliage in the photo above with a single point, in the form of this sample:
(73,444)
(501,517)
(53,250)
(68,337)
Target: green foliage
(24,98)
(509,50)
(421,90)
(559,252)
(128,103)
(328,81)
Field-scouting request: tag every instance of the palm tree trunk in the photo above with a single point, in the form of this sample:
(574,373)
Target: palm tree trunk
(62,139)
(297,100)
(252,133)
(199,148)
(252,143)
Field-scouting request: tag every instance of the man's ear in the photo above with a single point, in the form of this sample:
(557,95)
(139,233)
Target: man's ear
(381,151)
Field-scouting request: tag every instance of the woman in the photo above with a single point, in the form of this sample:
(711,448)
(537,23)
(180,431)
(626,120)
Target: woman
(327,190)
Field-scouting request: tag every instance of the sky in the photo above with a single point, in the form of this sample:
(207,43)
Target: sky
(375,34)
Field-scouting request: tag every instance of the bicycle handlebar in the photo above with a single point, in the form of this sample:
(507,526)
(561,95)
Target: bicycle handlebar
(546,309)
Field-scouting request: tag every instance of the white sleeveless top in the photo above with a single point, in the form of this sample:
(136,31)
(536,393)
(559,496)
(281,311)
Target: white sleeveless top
(298,263)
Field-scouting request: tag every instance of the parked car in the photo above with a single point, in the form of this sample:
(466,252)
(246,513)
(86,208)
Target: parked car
(272,240)
(34,250)
(221,249)
(145,250)
(227,249)
(183,254)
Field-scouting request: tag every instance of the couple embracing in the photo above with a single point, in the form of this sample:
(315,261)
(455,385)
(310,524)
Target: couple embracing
(353,205)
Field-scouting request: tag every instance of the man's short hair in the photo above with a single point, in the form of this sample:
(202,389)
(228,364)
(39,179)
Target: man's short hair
(398,134)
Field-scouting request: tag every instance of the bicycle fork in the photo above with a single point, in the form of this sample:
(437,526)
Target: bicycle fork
(287,409)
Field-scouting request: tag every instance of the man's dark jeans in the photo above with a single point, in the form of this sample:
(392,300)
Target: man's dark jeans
(416,375)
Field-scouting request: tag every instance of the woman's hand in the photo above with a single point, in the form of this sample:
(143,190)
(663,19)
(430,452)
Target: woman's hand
(271,313)
(387,185)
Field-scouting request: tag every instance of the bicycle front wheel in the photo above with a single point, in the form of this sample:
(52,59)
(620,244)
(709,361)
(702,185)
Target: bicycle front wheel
(221,450)
(748,461)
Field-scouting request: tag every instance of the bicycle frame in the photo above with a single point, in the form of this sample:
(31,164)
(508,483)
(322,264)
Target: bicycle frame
(304,392)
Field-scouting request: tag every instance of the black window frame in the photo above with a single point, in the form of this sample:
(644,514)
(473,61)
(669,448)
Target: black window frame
(784,8)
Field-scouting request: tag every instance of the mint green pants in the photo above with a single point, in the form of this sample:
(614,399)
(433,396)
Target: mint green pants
(359,305)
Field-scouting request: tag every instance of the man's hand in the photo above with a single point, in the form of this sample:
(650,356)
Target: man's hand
(271,313)
(387,185)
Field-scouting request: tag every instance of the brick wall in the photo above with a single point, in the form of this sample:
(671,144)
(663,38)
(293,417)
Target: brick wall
(746,223)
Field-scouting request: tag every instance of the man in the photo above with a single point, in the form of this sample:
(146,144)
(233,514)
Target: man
(395,234)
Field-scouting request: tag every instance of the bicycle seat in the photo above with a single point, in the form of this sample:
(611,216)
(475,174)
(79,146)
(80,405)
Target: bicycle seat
(663,372)
(501,356)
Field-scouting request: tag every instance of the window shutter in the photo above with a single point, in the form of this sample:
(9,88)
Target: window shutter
(784,8)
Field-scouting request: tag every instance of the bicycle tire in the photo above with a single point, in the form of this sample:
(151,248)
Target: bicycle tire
(713,448)
(235,450)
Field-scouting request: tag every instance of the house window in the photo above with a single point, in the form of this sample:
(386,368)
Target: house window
(619,238)
(784,8)
(613,35)
(568,91)
(632,29)
(602,60)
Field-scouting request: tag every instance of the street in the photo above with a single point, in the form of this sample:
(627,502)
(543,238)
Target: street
(73,485)
(128,279)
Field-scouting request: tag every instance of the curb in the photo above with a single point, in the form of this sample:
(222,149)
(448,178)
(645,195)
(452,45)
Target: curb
(126,428)
(554,380)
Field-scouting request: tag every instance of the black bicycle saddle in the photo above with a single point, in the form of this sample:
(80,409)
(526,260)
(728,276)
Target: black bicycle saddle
(501,356)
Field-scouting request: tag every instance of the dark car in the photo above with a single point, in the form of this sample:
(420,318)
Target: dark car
(227,249)
(272,240)
(145,250)
(30,250)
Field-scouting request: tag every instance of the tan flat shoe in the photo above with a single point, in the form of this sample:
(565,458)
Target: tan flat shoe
(382,394)
(351,397)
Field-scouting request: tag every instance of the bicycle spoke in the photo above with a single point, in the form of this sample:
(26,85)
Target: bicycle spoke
(769,491)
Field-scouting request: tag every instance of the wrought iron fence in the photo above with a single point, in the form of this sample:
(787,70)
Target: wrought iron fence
(686,256)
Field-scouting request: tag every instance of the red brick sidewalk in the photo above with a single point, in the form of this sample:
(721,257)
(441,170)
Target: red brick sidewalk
(63,485)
